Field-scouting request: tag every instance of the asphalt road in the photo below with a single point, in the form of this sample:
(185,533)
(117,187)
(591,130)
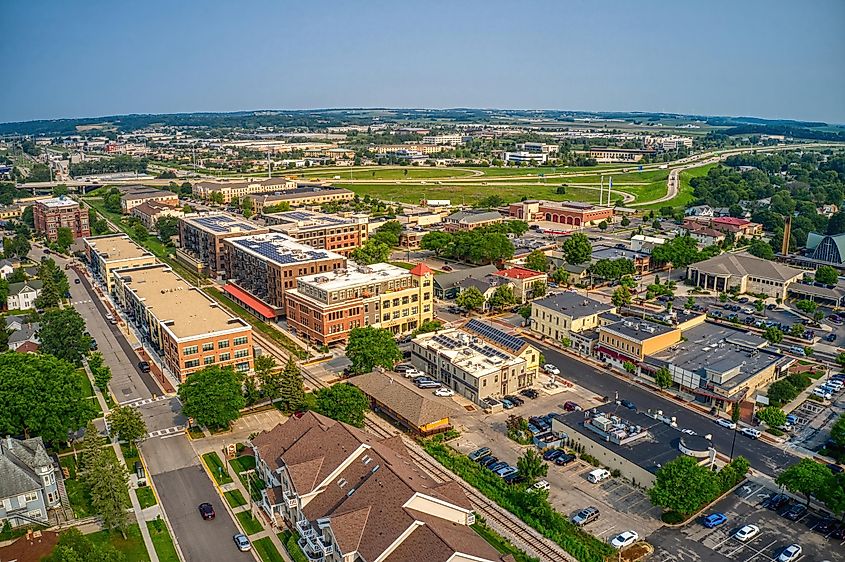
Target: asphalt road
(764,457)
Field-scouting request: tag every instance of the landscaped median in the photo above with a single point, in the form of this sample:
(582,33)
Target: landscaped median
(215,467)
(533,509)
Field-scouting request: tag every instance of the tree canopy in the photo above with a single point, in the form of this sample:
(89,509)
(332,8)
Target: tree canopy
(577,249)
(827,275)
(62,335)
(538,261)
(683,485)
(369,347)
(342,402)
(212,396)
(470,298)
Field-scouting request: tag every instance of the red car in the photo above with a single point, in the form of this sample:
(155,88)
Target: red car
(207,511)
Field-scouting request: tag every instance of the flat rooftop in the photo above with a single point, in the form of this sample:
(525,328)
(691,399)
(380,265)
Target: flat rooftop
(305,191)
(354,275)
(574,305)
(220,223)
(58,202)
(467,351)
(184,309)
(613,253)
(638,329)
(280,249)
(117,247)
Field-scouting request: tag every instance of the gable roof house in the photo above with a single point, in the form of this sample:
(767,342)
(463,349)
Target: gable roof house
(28,482)
(24,336)
(351,496)
(22,295)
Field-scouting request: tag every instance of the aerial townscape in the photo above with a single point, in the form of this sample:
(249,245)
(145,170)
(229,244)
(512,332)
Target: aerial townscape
(422,323)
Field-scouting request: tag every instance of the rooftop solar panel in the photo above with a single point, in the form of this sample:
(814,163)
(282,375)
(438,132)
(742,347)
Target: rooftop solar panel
(495,335)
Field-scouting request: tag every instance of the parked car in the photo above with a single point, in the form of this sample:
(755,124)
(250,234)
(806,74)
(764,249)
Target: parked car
(481,460)
(496,466)
(551,369)
(478,453)
(404,368)
(530,393)
(585,516)
(826,525)
(795,512)
(428,384)
(751,432)
(776,502)
(830,337)
(444,392)
(565,459)
(143,366)
(541,485)
(514,478)
(688,431)
(242,542)
(517,401)
(571,406)
(491,460)
(624,539)
(111,318)
(598,475)
(714,520)
(206,510)
(726,423)
(553,454)
(506,471)
(628,404)
(747,532)
(790,553)
(446,268)
(507,404)
(76,281)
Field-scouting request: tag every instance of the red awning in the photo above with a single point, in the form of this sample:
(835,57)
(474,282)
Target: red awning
(252,302)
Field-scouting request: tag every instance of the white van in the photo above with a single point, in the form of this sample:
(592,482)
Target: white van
(598,475)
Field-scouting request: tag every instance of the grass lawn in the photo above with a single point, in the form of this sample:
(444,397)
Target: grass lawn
(241,464)
(86,383)
(289,540)
(250,524)
(499,542)
(162,542)
(267,551)
(80,499)
(146,497)
(132,547)
(215,466)
(386,173)
(131,456)
(195,433)
(235,498)
(403,264)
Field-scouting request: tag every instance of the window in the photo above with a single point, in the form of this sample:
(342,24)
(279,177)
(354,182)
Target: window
(241,353)
(222,344)
(240,340)
(208,346)
(192,363)
(208,360)
(190,350)
(242,367)
(31,497)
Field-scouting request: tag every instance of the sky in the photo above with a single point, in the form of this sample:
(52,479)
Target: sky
(763,58)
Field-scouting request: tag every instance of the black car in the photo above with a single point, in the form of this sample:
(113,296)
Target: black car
(514,478)
(93,345)
(552,454)
(484,459)
(628,404)
(530,393)
(830,337)
(776,502)
(826,526)
(76,281)
(795,512)
(490,461)
(207,511)
(144,367)
(565,459)
(517,401)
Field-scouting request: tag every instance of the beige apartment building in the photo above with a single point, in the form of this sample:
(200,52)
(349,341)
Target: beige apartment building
(111,252)
(321,230)
(239,189)
(182,324)
(558,316)
(325,307)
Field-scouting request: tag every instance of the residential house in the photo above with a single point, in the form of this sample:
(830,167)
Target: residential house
(24,335)
(448,285)
(29,482)
(523,281)
(22,295)
(699,211)
(7,267)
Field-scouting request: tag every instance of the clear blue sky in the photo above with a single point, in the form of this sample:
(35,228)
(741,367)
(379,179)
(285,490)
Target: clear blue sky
(767,58)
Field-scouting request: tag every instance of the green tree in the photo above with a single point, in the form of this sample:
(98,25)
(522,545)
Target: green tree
(167,227)
(100,371)
(761,249)
(502,297)
(560,276)
(470,299)
(690,302)
(625,221)
(212,396)
(781,392)
(837,431)
(538,261)
(62,335)
(139,233)
(290,391)
(109,488)
(41,395)
(797,330)
(436,242)
(427,326)
(773,334)
(682,485)
(89,449)
(603,225)
(621,296)
(370,347)
(806,306)
(538,289)
(388,233)
(73,546)
(680,252)
(577,249)
(371,252)
(531,465)
(64,238)
(127,424)
(772,416)
(806,477)
(663,378)
(342,402)
(827,275)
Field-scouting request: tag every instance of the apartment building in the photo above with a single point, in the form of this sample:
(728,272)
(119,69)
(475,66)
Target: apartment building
(478,360)
(262,267)
(747,273)
(111,252)
(201,238)
(632,340)
(303,196)
(464,220)
(325,307)
(452,139)
(522,280)
(136,196)
(149,212)
(240,189)
(321,230)
(560,315)
(562,212)
(29,484)
(187,329)
(49,215)
(351,497)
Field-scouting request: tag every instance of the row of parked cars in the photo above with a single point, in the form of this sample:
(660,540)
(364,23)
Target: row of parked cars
(502,469)
(831,387)
(421,380)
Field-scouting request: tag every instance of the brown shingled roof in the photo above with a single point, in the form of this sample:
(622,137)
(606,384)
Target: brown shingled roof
(413,404)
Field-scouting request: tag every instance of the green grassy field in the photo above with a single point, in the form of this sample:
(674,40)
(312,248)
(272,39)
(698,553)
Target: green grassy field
(132,547)
(162,542)
(267,551)
(385,173)
(146,497)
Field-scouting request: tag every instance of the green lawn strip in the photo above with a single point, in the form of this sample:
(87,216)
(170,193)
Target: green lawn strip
(130,455)
(80,499)
(195,433)
(241,464)
(132,546)
(403,264)
(267,551)
(289,540)
(385,173)
(533,510)
(269,331)
(499,542)
(235,498)
(146,496)
(87,387)
(250,524)
(215,466)
(96,405)
(162,541)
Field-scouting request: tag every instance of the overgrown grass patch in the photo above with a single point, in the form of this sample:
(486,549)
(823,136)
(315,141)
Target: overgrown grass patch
(499,542)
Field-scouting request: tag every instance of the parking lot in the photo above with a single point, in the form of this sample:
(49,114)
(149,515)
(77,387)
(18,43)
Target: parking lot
(745,507)
(622,506)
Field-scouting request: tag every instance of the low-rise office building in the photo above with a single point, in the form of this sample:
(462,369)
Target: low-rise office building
(262,267)
(183,325)
(49,215)
(350,497)
(201,238)
(608,155)
(747,273)
(562,212)
(149,212)
(464,220)
(136,196)
(525,157)
(325,307)
(523,281)
(240,189)
(302,196)
(631,340)
(478,360)
(321,230)
(560,315)
(641,260)
(111,252)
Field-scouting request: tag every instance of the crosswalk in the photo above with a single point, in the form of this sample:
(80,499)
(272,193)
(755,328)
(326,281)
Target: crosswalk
(175,430)
(136,402)
(85,301)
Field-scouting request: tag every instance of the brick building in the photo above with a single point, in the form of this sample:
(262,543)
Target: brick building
(320,230)
(49,215)
(201,238)
(562,212)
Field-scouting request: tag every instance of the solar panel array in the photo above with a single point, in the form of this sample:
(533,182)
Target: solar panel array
(488,351)
(281,253)
(495,335)
(446,341)
(222,223)
(317,217)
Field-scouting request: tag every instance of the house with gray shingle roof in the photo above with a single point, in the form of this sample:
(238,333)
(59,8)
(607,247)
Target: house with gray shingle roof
(747,273)
(22,295)
(28,482)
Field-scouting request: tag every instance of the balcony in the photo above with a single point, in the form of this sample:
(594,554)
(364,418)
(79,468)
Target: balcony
(291,498)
